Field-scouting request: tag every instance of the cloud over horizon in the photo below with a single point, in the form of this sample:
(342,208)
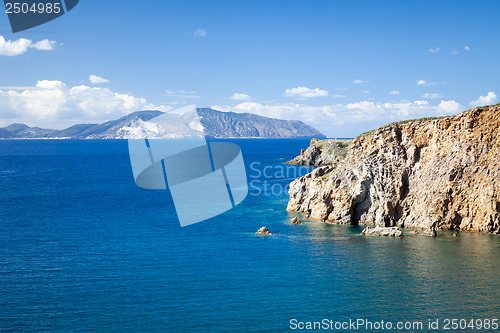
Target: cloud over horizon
(55,102)
(490,98)
(344,120)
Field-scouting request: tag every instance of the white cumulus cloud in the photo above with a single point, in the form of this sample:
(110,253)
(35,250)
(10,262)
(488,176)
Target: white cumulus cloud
(466,48)
(358,81)
(305,92)
(181,94)
(240,97)
(426,83)
(434,50)
(53,103)
(20,46)
(200,32)
(449,107)
(394,92)
(347,120)
(429,95)
(44,45)
(490,98)
(94,79)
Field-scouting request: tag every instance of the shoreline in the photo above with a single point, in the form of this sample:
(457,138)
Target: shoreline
(410,229)
(423,174)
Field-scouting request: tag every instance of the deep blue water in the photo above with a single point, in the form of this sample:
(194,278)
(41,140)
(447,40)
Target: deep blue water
(82,248)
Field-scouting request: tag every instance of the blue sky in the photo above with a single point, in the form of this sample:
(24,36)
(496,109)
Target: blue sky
(341,66)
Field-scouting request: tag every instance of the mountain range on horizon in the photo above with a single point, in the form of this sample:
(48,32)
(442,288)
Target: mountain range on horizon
(216,124)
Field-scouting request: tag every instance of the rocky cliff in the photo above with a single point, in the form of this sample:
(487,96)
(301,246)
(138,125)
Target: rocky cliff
(416,174)
(322,152)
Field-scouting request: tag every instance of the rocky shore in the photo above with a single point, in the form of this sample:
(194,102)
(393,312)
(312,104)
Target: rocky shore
(438,173)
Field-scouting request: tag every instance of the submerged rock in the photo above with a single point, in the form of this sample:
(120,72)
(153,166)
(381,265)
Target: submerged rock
(263,231)
(382,231)
(295,221)
(409,173)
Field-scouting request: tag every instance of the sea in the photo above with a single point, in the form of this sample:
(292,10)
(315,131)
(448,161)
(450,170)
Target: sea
(84,249)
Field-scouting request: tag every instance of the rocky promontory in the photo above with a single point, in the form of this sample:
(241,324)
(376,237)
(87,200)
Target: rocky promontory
(322,152)
(438,173)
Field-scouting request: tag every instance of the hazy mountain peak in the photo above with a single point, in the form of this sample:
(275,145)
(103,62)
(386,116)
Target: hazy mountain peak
(157,124)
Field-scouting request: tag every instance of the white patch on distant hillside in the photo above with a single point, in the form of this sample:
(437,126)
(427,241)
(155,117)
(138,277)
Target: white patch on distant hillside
(196,125)
(166,126)
(138,130)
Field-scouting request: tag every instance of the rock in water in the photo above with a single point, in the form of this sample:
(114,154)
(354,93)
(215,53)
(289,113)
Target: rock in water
(295,221)
(382,231)
(431,231)
(263,231)
(409,173)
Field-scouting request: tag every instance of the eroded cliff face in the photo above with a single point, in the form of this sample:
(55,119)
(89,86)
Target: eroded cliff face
(443,171)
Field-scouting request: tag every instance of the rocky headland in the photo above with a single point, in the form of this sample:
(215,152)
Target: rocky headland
(433,173)
(322,152)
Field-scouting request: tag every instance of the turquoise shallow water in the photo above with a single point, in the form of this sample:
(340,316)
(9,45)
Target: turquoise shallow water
(83,249)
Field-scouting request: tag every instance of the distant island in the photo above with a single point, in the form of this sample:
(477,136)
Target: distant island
(424,174)
(216,124)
